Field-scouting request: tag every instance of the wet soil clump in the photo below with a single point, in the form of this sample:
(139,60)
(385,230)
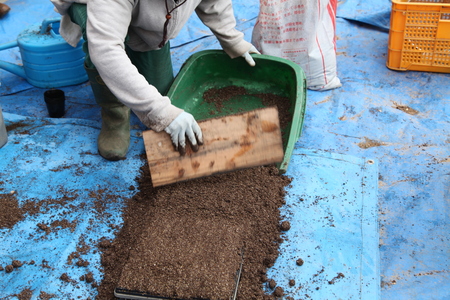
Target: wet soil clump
(299,262)
(285,225)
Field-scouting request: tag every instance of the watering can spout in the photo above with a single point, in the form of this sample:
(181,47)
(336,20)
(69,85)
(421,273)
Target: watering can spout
(13,68)
(10,67)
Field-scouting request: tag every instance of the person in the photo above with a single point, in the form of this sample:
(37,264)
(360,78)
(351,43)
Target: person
(127,47)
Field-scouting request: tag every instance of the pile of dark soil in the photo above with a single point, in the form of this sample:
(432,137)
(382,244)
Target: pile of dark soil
(185,240)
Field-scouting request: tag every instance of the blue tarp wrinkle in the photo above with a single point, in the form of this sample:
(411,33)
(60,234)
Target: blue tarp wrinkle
(370,190)
(375,13)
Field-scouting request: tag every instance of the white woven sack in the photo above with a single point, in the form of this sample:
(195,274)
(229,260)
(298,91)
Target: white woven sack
(303,32)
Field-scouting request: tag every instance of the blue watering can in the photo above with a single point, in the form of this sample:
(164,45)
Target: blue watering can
(48,60)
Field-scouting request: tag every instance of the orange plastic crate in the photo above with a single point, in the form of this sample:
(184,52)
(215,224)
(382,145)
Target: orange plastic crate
(419,36)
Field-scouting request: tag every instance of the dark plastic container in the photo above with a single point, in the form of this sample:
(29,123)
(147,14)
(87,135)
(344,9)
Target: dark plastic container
(55,101)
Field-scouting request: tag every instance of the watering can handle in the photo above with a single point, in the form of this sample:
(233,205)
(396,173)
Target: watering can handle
(8,45)
(44,26)
(47,22)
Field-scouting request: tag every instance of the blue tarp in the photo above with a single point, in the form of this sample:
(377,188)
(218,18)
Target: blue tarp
(332,208)
(370,191)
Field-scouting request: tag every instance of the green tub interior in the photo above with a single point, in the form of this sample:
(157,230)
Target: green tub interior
(214,69)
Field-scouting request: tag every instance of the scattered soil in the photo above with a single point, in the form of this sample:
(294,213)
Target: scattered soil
(25,294)
(63,224)
(18,127)
(10,213)
(368,143)
(183,240)
(45,296)
(406,109)
(82,263)
(44,227)
(339,276)
(291,282)
(82,249)
(64,277)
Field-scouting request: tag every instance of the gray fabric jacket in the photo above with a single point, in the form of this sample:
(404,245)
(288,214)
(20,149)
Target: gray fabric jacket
(110,21)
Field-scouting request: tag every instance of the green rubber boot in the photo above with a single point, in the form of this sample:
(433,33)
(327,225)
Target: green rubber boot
(114,138)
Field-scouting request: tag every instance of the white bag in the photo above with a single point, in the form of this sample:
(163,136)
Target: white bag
(302,32)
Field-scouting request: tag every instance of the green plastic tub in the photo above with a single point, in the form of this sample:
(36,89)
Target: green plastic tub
(215,69)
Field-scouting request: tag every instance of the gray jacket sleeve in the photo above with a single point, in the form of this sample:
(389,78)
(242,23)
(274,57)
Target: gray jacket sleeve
(218,15)
(107,28)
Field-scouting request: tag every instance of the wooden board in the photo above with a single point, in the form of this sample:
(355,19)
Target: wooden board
(232,142)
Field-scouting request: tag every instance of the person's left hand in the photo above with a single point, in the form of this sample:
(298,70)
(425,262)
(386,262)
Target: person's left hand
(248,57)
(185,126)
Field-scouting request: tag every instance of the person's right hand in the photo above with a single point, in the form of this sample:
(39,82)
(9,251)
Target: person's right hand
(182,126)
(248,58)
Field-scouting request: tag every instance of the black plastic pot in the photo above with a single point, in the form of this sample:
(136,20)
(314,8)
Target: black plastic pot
(55,101)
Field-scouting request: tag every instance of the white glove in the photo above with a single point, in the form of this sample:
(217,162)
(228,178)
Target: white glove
(182,126)
(248,57)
